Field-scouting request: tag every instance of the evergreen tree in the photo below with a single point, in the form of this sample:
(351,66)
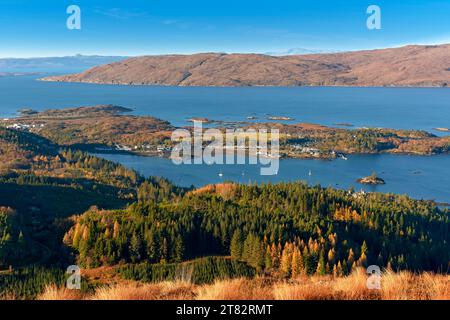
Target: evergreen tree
(135,248)
(178,249)
(237,245)
(363,258)
(321,266)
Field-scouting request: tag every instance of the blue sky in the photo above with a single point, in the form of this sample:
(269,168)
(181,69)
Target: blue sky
(137,27)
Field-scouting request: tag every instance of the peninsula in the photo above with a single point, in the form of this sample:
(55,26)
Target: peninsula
(108,128)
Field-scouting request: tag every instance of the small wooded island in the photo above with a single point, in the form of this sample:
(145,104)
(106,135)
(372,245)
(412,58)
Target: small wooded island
(372,179)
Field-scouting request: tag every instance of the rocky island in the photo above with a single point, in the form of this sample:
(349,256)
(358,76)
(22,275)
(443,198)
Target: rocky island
(280,118)
(372,179)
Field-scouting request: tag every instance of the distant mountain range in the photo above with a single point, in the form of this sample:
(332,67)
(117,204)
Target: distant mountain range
(298,51)
(54,64)
(418,66)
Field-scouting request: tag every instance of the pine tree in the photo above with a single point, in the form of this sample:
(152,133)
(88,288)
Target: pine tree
(257,255)
(308,261)
(237,246)
(135,248)
(178,249)
(153,250)
(247,248)
(164,254)
(321,268)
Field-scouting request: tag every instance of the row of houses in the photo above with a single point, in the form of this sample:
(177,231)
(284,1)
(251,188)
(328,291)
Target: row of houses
(24,127)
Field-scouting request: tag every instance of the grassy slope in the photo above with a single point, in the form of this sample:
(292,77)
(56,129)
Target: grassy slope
(403,285)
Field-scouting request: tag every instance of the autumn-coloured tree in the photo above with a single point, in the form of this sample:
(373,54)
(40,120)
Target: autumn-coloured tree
(331,255)
(351,257)
(297,263)
(362,261)
(116,229)
(268,258)
(286,260)
(275,254)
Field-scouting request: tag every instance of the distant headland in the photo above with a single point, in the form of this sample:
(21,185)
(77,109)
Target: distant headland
(415,66)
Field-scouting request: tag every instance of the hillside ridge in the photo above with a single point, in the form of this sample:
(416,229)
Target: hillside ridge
(409,66)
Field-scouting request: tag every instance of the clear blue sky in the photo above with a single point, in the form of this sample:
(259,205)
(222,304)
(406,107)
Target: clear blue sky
(136,27)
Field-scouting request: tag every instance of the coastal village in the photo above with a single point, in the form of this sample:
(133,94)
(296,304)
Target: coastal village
(105,128)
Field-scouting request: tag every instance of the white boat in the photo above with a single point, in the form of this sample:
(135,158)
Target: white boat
(309,173)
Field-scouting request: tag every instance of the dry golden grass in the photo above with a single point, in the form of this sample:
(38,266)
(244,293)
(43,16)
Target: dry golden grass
(353,287)
(394,286)
(236,289)
(52,292)
(8,297)
(406,286)
(303,288)
(135,291)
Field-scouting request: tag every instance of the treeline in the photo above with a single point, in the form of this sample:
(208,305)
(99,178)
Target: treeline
(287,227)
(199,271)
(298,257)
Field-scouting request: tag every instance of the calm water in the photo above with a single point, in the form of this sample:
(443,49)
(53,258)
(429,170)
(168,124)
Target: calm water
(420,177)
(403,108)
(406,108)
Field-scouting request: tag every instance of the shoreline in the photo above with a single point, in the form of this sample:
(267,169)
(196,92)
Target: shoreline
(368,188)
(110,128)
(48,79)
